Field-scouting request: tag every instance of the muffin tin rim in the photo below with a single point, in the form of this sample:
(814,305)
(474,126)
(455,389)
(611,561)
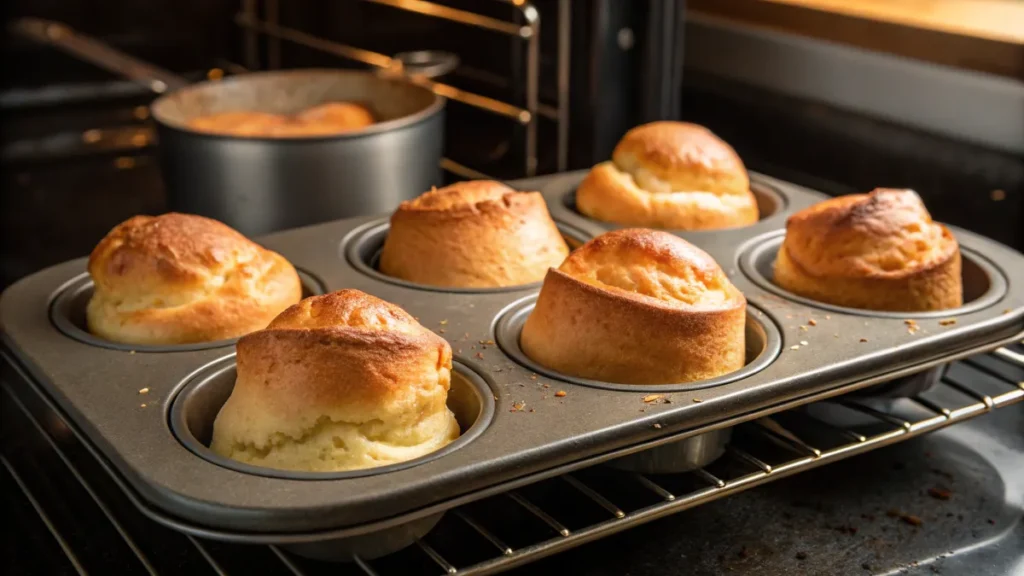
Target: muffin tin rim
(754,250)
(367,232)
(508,325)
(176,423)
(64,297)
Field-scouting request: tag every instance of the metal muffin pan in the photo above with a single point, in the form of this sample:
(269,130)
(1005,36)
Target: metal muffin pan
(533,433)
(67,312)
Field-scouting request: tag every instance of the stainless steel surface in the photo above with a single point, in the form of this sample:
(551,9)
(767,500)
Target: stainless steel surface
(971,533)
(260,185)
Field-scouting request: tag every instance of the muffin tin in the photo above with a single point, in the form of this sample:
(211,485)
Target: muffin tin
(146,415)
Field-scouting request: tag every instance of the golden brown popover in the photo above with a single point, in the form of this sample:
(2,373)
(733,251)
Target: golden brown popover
(181,279)
(877,251)
(477,234)
(338,382)
(670,175)
(320,120)
(638,306)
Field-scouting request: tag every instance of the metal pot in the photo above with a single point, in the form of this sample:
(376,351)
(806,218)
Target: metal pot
(259,185)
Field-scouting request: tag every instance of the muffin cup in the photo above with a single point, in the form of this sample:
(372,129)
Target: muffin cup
(67,312)
(763,343)
(363,246)
(983,284)
(195,407)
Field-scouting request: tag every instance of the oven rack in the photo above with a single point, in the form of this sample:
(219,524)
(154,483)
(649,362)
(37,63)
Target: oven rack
(269,26)
(533,524)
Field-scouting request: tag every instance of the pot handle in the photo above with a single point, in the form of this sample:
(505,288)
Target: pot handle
(99,53)
(423,63)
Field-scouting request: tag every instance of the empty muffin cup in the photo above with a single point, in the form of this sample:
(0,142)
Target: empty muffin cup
(363,246)
(763,343)
(983,284)
(67,312)
(196,405)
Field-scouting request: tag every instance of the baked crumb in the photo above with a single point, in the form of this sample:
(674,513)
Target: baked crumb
(803,328)
(697,400)
(947,322)
(480,355)
(443,322)
(142,405)
(812,321)
(804,343)
(863,339)
(143,390)
(651,398)
(794,347)
(560,394)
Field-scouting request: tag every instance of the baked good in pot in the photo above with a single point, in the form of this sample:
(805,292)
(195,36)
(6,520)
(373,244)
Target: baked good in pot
(334,117)
(671,175)
(180,279)
(476,234)
(338,382)
(877,251)
(240,123)
(638,306)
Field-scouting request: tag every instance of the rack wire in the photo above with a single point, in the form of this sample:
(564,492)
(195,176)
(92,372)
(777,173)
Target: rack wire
(528,32)
(761,451)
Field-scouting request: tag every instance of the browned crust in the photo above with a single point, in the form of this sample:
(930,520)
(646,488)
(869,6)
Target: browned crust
(178,278)
(345,360)
(472,234)
(842,237)
(680,150)
(670,175)
(878,251)
(638,307)
(584,331)
(938,287)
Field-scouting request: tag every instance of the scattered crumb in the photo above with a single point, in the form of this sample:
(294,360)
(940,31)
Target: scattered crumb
(947,322)
(531,409)
(443,322)
(803,328)
(547,386)
(657,426)
(940,493)
(142,405)
(651,398)
(794,347)
(1007,311)
(910,322)
(533,377)
(143,390)
(836,335)
(906,518)
(480,355)
(697,400)
(459,351)
(827,317)
(518,406)
(441,331)
(863,339)
(804,343)
(560,394)
(132,352)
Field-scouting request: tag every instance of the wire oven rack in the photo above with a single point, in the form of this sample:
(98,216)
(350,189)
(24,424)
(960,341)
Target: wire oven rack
(500,532)
(528,32)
